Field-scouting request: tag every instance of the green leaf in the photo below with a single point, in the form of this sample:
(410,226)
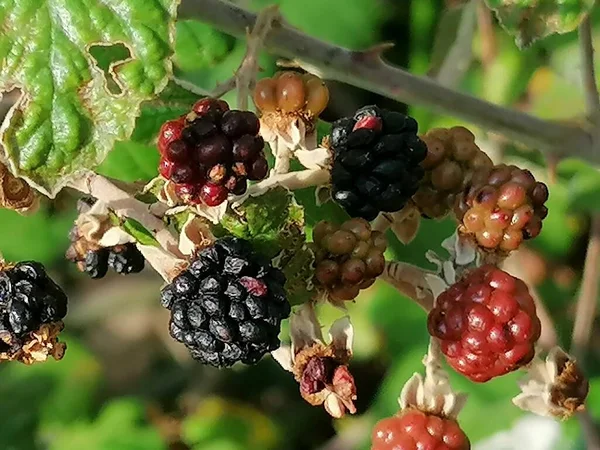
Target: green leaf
(530,20)
(274,224)
(223,425)
(199,46)
(584,192)
(120,425)
(138,232)
(68,118)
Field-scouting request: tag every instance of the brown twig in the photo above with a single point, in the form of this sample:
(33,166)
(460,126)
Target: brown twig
(368,70)
(588,71)
(488,37)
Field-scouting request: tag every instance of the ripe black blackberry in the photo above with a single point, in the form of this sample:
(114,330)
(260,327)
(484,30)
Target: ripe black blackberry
(29,299)
(212,152)
(376,161)
(95,260)
(227,306)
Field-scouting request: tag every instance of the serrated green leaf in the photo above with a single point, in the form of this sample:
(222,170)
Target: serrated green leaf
(274,224)
(138,232)
(530,20)
(67,118)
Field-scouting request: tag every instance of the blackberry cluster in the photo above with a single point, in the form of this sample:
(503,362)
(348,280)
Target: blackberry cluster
(348,258)
(212,152)
(376,166)
(487,324)
(452,160)
(501,208)
(291,92)
(95,260)
(227,306)
(413,429)
(28,300)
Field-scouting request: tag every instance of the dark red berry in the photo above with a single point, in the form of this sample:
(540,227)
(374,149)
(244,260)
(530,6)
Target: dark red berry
(258,170)
(216,149)
(177,151)
(247,148)
(165,168)
(206,105)
(212,194)
(188,192)
(169,132)
(182,174)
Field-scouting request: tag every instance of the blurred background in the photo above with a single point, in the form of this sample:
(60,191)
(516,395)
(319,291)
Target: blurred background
(124,384)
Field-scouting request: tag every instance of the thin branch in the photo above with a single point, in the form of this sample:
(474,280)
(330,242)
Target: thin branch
(457,61)
(125,205)
(588,295)
(588,71)
(410,281)
(366,69)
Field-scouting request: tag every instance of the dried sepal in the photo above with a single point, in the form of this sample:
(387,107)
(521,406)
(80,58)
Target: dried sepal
(38,346)
(405,223)
(321,369)
(432,393)
(16,194)
(195,235)
(554,387)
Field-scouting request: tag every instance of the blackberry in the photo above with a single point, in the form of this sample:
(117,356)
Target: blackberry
(227,306)
(212,152)
(32,307)
(452,160)
(348,257)
(95,260)
(126,259)
(501,208)
(376,161)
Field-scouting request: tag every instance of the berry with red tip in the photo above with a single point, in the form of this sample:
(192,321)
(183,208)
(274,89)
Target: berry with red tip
(413,429)
(227,306)
(487,324)
(212,153)
(502,207)
(376,161)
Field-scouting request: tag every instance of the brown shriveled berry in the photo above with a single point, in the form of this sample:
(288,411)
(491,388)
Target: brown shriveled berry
(501,208)
(452,159)
(349,257)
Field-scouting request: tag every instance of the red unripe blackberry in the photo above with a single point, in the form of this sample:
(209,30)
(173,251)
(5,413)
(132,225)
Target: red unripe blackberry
(502,207)
(348,257)
(413,429)
(452,159)
(212,152)
(487,324)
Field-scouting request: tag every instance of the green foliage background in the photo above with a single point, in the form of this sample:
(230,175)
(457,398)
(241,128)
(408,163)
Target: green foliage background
(124,385)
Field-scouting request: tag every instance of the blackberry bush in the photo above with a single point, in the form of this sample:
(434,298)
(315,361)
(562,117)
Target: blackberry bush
(376,166)
(227,306)
(212,152)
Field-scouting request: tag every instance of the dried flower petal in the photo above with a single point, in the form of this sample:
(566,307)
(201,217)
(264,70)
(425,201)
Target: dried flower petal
(16,194)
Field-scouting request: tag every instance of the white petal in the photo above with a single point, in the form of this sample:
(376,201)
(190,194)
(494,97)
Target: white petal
(305,329)
(115,236)
(341,334)
(334,406)
(533,403)
(283,355)
(195,235)
(162,261)
(318,158)
(212,213)
(436,284)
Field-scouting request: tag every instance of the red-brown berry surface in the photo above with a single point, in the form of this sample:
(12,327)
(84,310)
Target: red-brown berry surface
(349,257)
(291,93)
(416,430)
(211,152)
(501,208)
(487,324)
(452,159)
